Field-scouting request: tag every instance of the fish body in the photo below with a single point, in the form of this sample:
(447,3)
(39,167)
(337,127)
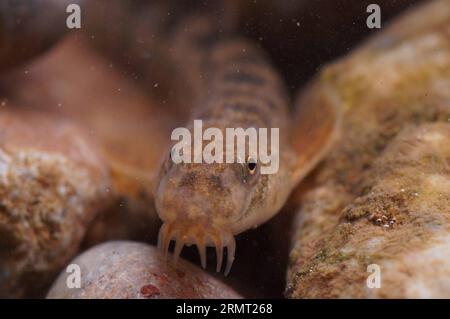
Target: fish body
(207,204)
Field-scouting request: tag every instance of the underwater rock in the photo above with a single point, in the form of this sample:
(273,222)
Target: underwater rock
(124,269)
(382,196)
(52,182)
(130,128)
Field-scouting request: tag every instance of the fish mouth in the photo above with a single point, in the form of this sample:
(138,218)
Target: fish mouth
(200,235)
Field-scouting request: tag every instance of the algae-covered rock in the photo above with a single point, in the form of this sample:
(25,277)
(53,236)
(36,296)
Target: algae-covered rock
(52,182)
(124,269)
(383,195)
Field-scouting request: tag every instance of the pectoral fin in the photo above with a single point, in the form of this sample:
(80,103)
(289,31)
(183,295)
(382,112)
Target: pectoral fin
(316,125)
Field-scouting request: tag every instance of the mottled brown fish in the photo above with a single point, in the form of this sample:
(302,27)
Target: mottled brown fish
(208,204)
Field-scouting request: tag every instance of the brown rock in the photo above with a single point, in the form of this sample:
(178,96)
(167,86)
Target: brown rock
(52,183)
(383,195)
(130,128)
(133,270)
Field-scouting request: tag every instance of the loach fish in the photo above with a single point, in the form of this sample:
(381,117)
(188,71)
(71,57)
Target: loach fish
(235,86)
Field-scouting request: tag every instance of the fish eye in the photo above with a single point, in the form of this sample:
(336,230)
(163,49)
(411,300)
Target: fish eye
(251,165)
